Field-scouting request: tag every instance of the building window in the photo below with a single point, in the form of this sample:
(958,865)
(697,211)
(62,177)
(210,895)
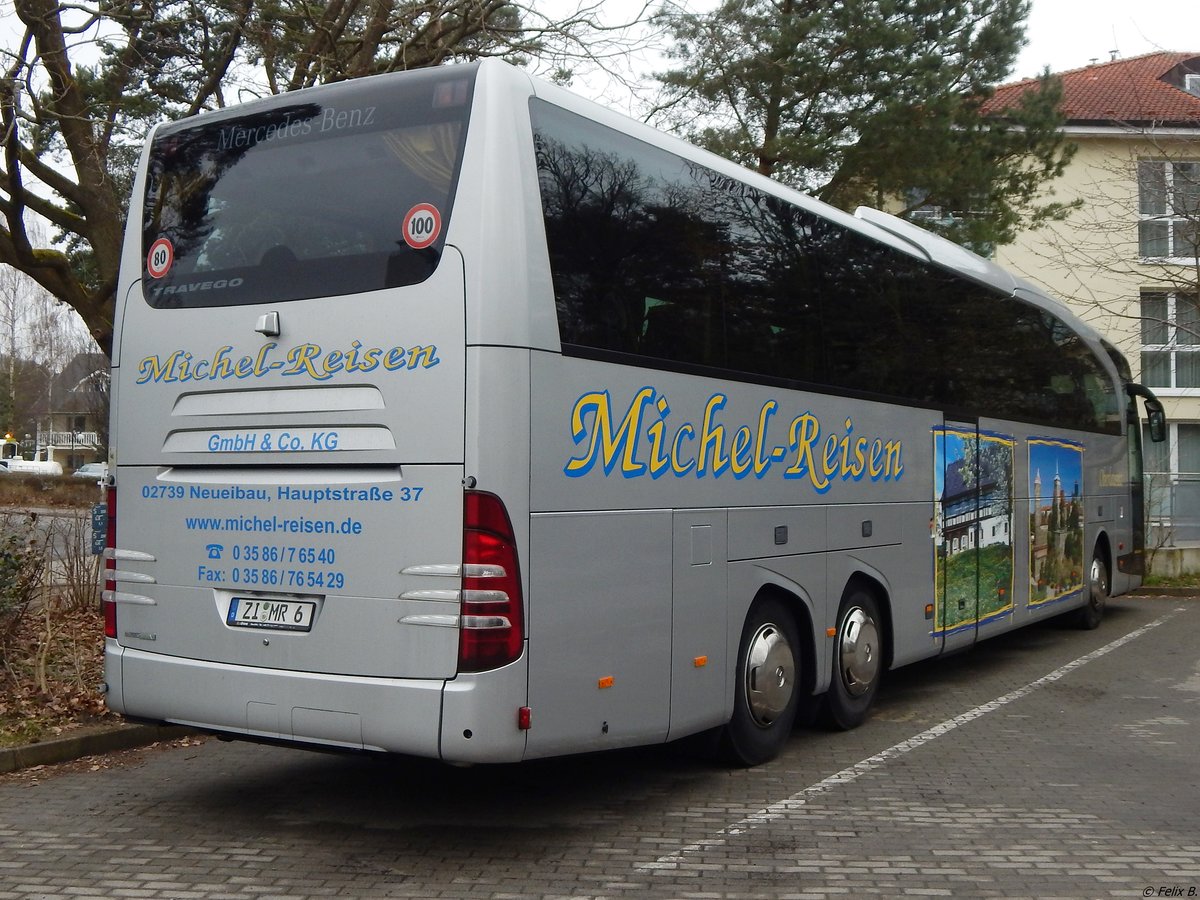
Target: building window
(1172,481)
(1170,339)
(1168,209)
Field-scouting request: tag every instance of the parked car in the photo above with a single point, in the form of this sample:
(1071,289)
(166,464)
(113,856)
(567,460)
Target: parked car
(33,467)
(94,471)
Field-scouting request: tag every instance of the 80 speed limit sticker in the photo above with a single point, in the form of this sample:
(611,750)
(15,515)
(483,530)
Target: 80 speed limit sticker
(422,225)
(160,257)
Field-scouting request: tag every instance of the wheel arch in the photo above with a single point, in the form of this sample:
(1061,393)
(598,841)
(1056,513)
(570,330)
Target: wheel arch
(1104,549)
(799,606)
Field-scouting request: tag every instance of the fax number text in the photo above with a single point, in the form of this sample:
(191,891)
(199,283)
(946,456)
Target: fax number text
(287,578)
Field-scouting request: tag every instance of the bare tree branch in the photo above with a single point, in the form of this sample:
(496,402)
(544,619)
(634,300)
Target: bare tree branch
(71,133)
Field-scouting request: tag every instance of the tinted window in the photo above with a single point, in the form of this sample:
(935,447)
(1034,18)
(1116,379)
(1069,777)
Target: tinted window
(341,190)
(665,260)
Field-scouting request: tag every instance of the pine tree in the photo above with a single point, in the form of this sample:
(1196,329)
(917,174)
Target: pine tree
(872,101)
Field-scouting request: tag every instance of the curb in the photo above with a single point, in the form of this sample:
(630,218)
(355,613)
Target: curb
(87,743)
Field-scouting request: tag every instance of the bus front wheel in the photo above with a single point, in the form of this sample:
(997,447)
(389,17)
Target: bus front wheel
(857,660)
(766,692)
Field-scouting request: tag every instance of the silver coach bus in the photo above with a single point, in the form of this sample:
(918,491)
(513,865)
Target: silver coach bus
(457,416)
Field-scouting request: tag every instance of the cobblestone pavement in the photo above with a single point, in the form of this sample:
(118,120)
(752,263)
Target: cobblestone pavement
(1045,763)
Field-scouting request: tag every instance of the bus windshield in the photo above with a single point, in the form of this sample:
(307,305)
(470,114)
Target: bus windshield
(342,192)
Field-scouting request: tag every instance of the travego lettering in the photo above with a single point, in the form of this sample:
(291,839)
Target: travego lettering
(190,286)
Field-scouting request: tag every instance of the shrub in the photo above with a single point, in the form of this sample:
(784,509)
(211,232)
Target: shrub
(22,565)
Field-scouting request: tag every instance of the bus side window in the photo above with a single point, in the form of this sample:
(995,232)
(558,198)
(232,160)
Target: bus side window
(664,329)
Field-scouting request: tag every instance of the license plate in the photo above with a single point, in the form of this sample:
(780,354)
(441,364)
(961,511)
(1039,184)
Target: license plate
(285,615)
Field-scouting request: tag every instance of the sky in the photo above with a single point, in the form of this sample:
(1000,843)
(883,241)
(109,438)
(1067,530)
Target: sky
(1069,34)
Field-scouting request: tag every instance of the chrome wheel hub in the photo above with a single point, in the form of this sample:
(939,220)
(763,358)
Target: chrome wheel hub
(770,674)
(858,652)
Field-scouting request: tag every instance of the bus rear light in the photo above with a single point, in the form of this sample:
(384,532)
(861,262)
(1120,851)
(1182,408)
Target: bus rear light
(485,596)
(107,606)
(492,630)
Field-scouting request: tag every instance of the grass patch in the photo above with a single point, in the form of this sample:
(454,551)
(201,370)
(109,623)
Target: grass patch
(25,491)
(1172,581)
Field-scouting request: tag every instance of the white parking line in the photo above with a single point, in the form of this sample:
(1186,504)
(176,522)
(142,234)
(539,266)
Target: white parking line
(780,810)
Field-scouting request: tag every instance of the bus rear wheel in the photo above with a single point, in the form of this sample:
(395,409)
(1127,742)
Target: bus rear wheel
(1090,614)
(857,660)
(766,692)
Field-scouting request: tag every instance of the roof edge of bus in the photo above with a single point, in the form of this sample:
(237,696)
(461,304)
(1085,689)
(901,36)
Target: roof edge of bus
(619,121)
(940,250)
(1039,296)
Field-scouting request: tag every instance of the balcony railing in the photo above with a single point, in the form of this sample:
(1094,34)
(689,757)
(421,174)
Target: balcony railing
(67,439)
(1173,506)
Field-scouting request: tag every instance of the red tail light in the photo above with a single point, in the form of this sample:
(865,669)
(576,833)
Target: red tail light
(107,605)
(492,632)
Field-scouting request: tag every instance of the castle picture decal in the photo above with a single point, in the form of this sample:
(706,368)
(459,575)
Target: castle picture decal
(1055,520)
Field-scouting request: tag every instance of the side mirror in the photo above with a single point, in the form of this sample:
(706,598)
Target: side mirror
(1156,419)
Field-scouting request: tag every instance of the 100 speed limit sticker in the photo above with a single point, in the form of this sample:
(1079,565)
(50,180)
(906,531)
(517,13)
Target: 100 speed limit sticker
(422,225)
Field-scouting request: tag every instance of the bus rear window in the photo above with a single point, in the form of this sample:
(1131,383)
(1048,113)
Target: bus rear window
(339,190)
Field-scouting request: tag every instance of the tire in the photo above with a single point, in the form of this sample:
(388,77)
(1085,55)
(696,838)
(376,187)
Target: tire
(857,661)
(1089,616)
(767,685)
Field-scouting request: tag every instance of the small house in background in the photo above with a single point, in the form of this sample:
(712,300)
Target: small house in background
(76,429)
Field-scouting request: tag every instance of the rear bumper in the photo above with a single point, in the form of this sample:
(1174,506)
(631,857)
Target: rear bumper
(337,711)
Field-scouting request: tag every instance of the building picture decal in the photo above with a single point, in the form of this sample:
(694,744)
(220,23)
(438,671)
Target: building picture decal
(972,528)
(1055,520)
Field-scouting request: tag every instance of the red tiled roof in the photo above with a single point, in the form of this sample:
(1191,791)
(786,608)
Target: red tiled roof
(1125,91)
